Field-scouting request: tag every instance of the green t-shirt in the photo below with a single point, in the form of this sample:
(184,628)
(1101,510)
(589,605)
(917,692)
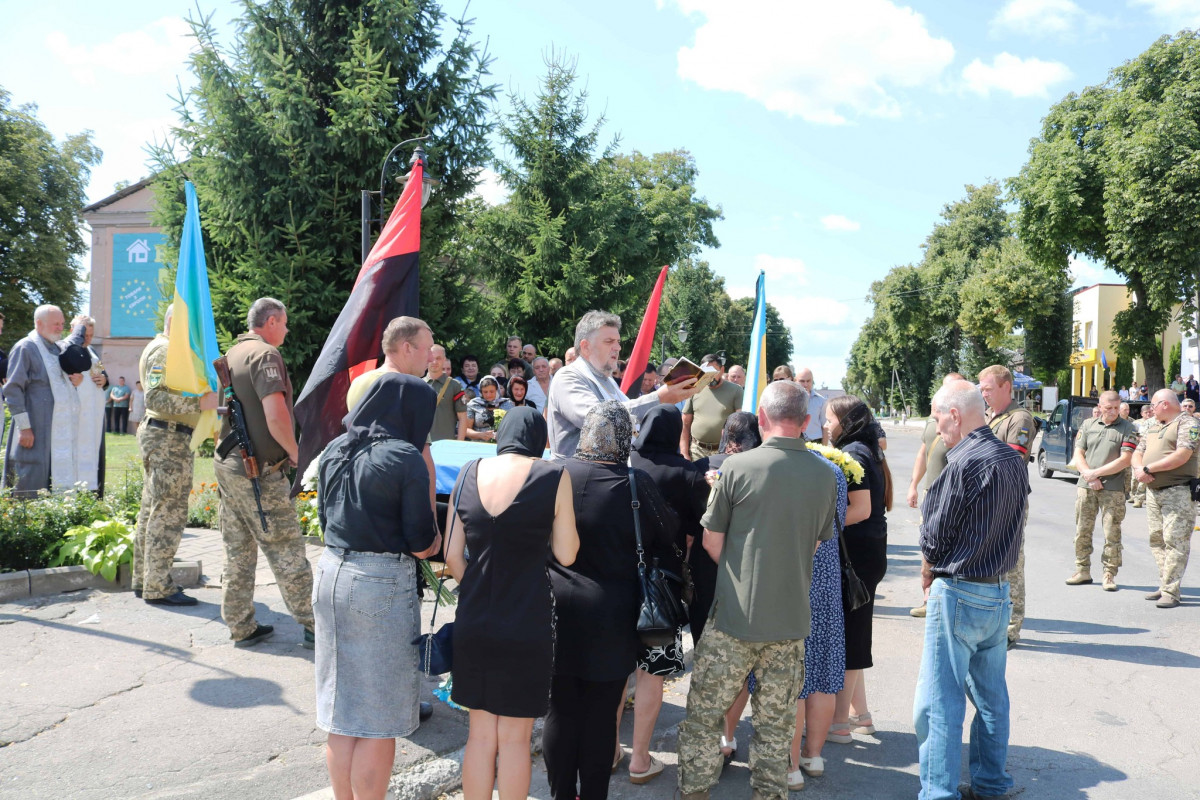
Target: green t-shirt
(773,503)
(451,404)
(1102,444)
(935,453)
(710,409)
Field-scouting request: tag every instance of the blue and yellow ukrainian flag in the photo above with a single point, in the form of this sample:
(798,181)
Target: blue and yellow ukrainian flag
(193,332)
(756,369)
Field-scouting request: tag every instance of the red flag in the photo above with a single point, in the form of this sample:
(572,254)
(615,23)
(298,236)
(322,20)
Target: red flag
(635,367)
(387,287)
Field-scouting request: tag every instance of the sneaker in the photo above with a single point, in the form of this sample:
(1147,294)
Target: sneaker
(1109,584)
(1137,503)
(795,781)
(1080,578)
(177,599)
(813,767)
(310,639)
(261,632)
(1153,595)
(918,612)
(1167,601)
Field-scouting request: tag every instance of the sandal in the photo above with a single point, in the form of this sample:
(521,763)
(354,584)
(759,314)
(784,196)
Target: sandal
(862,724)
(656,768)
(839,738)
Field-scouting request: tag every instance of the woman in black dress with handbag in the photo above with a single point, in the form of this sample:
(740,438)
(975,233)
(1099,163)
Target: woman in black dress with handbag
(512,509)
(596,599)
(851,427)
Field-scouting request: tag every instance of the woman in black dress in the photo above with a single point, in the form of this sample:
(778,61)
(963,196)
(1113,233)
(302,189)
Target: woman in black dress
(597,600)
(511,509)
(682,485)
(850,426)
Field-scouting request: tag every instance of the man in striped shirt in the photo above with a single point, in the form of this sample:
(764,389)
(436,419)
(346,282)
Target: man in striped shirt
(973,516)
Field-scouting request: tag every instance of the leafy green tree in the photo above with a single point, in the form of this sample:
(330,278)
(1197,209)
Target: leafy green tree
(1112,176)
(735,335)
(287,125)
(583,227)
(695,295)
(42,192)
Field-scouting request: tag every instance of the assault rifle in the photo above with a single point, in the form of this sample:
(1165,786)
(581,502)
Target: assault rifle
(240,434)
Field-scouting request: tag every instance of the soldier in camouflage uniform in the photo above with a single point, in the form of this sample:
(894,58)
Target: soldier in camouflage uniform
(1166,460)
(1137,492)
(261,383)
(1014,426)
(1103,449)
(164,439)
(773,504)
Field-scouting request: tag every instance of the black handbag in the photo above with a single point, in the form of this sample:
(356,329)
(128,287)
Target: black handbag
(436,650)
(660,612)
(855,594)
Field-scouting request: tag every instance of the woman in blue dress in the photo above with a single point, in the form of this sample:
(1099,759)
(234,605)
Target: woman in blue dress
(824,653)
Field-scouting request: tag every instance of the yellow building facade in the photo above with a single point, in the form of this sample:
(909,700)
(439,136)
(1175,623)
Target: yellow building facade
(1092,339)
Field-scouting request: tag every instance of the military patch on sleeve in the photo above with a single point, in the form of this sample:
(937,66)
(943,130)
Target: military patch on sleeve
(272,372)
(1023,437)
(1194,434)
(155,376)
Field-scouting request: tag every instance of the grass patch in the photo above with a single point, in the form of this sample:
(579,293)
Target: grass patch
(121,454)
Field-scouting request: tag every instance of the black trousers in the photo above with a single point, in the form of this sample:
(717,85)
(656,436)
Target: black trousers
(108,419)
(120,420)
(580,737)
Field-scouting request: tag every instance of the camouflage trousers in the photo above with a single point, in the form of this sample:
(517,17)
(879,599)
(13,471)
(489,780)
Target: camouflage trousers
(243,535)
(722,663)
(167,460)
(1016,587)
(1170,515)
(1110,505)
(1138,493)
(701,450)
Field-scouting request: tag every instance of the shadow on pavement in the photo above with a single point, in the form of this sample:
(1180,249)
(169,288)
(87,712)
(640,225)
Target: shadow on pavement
(1183,591)
(238,692)
(1076,627)
(1129,653)
(153,647)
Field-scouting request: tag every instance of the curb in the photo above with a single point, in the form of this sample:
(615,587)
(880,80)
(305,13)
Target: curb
(56,580)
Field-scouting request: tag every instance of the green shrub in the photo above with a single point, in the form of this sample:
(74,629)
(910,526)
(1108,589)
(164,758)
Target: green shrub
(101,547)
(31,529)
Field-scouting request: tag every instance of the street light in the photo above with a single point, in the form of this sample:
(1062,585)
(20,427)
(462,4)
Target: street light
(427,184)
(681,334)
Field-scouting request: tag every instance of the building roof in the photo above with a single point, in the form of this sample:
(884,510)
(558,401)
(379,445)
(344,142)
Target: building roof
(112,198)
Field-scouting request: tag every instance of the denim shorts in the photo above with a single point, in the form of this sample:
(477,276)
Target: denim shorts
(367,615)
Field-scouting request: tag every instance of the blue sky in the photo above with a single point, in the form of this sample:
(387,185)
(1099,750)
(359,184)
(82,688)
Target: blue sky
(831,133)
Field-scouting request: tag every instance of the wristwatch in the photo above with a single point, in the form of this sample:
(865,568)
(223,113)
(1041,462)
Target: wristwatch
(1146,470)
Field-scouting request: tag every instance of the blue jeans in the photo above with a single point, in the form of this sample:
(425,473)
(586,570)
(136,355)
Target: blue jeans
(964,656)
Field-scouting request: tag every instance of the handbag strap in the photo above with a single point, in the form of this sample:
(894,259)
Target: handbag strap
(637,519)
(446,545)
(837,525)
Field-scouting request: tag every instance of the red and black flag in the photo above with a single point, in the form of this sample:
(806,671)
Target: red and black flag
(388,286)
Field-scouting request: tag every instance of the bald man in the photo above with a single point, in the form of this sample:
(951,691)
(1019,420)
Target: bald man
(816,406)
(450,415)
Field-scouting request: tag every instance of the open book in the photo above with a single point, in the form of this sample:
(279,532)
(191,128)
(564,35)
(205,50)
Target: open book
(685,369)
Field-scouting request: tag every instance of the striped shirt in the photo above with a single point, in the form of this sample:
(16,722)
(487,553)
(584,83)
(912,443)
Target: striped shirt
(974,513)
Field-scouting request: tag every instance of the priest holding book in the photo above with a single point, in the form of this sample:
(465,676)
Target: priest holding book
(705,414)
(587,381)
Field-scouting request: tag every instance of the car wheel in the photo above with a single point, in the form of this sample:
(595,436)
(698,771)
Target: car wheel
(1043,470)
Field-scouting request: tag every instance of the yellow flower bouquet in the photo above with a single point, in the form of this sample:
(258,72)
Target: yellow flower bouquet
(851,468)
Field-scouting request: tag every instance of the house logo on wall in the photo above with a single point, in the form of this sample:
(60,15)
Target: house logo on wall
(138,252)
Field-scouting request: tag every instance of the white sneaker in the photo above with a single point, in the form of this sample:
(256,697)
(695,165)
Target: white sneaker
(795,781)
(814,767)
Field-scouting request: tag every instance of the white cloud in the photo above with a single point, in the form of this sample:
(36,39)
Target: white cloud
(1177,13)
(159,48)
(1028,77)
(823,62)
(1040,17)
(837,222)
(779,269)
(1084,272)
(489,189)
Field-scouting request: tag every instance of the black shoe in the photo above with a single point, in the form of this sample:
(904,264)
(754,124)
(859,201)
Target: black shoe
(177,599)
(970,794)
(137,593)
(426,711)
(310,641)
(261,632)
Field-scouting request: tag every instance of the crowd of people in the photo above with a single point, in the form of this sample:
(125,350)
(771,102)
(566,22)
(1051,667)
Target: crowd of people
(761,515)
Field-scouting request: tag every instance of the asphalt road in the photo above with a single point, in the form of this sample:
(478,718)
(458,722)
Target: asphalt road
(102,696)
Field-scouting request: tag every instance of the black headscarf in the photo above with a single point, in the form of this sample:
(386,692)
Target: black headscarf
(75,358)
(741,430)
(398,406)
(859,426)
(661,430)
(522,431)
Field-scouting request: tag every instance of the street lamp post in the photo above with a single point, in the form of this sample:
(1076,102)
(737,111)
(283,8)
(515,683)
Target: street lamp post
(681,334)
(428,182)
